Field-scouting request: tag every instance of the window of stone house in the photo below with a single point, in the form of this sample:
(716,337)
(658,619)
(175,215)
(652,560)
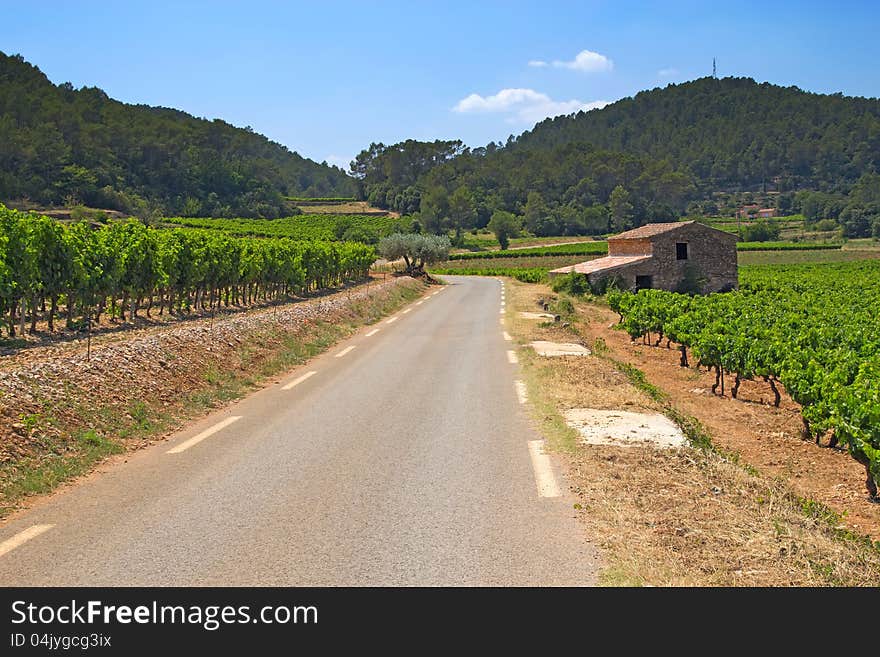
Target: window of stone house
(681,251)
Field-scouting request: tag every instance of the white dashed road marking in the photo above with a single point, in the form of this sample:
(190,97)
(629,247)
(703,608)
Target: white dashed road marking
(507,336)
(344,351)
(298,380)
(195,440)
(544,478)
(511,356)
(521,392)
(23,537)
(372,333)
(392,320)
(406,311)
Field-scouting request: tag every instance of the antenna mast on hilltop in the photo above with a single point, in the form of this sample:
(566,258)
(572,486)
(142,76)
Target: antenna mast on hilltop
(714,70)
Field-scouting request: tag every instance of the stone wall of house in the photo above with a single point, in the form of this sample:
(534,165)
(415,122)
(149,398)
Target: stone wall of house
(711,261)
(629,247)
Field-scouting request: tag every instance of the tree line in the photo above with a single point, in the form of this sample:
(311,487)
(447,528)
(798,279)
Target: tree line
(575,189)
(83,271)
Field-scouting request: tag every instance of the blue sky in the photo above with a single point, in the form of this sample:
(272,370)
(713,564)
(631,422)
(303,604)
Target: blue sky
(327,78)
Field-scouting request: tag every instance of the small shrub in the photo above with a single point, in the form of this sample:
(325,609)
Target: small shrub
(563,307)
(573,283)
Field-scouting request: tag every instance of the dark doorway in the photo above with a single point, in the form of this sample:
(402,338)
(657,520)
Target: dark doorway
(643,283)
(681,251)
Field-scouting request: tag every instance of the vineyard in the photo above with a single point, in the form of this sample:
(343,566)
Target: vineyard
(787,246)
(583,248)
(809,328)
(601,248)
(125,266)
(300,227)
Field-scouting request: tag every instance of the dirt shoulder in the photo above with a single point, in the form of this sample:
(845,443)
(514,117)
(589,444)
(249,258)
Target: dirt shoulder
(683,516)
(62,411)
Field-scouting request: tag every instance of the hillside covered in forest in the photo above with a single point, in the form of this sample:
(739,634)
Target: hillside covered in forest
(63,146)
(661,154)
(733,133)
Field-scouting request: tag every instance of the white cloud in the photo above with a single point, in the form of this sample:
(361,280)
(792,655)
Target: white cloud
(667,72)
(340,161)
(586,61)
(537,63)
(523,105)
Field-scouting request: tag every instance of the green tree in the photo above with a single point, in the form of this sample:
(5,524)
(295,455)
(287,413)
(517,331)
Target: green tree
(415,250)
(621,210)
(504,225)
(535,214)
(435,210)
(462,211)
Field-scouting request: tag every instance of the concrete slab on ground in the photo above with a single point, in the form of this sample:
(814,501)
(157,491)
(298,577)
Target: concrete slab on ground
(526,315)
(624,428)
(543,348)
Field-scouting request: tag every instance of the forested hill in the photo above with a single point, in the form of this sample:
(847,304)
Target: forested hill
(60,145)
(733,133)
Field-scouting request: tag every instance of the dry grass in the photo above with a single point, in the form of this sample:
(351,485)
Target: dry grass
(684,517)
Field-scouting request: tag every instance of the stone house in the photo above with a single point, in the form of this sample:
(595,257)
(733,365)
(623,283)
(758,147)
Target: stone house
(685,256)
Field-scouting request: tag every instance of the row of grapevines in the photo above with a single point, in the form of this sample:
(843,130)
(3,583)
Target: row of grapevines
(812,328)
(88,270)
(299,227)
(601,248)
(578,248)
(525,275)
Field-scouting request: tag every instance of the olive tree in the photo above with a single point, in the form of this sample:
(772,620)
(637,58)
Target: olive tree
(416,251)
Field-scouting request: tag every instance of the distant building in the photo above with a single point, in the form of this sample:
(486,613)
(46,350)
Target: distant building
(684,256)
(755,211)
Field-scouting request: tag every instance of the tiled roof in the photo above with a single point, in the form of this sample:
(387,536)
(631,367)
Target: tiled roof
(600,264)
(649,230)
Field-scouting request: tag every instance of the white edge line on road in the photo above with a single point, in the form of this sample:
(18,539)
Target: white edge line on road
(298,380)
(501,312)
(521,392)
(420,302)
(372,333)
(345,351)
(406,311)
(501,320)
(392,320)
(512,357)
(186,444)
(507,336)
(544,478)
(23,537)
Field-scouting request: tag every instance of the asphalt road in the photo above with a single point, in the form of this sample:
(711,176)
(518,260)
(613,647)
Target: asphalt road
(405,459)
